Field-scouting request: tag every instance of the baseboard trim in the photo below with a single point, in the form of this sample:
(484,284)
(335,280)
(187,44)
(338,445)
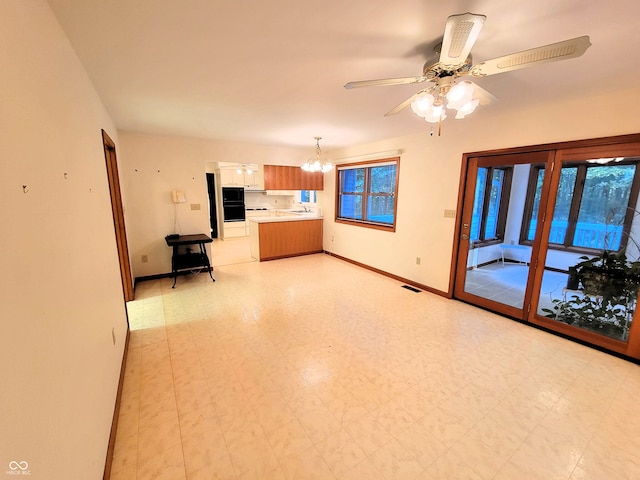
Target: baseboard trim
(391,275)
(158,276)
(290,255)
(116,412)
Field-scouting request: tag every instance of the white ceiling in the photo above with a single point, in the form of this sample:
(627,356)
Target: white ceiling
(272,72)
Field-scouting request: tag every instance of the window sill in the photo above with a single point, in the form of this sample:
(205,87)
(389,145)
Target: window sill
(366,224)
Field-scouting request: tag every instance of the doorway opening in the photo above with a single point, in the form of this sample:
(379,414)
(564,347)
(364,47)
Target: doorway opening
(213,212)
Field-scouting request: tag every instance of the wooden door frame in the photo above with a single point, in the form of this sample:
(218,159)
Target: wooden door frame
(118,216)
(602,141)
(618,143)
(472,165)
(631,347)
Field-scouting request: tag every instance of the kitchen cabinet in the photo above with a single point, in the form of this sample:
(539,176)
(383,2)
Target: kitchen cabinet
(254,181)
(234,229)
(281,177)
(281,237)
(229,177)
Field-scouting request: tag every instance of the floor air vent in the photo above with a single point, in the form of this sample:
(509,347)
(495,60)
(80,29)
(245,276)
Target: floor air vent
(411,288)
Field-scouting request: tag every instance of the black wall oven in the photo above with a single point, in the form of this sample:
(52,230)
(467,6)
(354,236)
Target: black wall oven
(233,204)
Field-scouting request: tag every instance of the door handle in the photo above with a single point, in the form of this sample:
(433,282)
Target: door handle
(465,236)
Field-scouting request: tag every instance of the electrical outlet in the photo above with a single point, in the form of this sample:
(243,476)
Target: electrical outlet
(418,260)
(195,206)
(449,213)
(332,238)
(145,258)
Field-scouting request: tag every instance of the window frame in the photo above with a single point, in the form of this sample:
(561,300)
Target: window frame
(367,166)
(527,214)
(574,212)
(503,207)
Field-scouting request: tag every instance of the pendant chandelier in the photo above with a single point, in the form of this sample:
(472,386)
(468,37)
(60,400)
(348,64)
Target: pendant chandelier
(319,163)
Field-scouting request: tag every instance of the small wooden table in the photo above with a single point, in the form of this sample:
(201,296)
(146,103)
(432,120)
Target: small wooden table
(188,260)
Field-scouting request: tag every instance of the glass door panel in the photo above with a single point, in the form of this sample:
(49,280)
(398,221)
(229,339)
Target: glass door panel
(591,271)
(493,267)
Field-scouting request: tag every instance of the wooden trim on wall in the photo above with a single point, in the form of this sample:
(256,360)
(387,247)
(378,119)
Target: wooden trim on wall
(390,275)
(118,216)
(116,412)
(589,142)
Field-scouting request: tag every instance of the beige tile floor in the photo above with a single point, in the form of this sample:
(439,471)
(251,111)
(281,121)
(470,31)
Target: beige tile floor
(312,368)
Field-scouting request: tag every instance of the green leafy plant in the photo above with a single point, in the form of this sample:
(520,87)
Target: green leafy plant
(608,284)
(609,275)
(592,313)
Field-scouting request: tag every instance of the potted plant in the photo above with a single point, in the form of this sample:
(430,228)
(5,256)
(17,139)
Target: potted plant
(606,287)
(609,275)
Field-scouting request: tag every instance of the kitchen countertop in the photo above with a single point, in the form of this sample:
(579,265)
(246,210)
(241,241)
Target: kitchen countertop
(284,218)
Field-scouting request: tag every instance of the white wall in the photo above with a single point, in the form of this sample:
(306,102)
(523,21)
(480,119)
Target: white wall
(430,172)
(517,199)
(153,165)
(60,288)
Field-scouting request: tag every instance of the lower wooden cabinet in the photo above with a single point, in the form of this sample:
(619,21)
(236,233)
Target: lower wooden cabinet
(280,239)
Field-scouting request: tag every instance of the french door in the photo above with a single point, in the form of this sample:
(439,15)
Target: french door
(535,226)
(493,269)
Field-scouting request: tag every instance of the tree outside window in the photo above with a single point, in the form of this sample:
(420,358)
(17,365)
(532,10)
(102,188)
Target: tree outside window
(592,206)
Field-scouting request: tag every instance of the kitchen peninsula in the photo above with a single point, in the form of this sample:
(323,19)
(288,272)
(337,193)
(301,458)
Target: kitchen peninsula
(285,236)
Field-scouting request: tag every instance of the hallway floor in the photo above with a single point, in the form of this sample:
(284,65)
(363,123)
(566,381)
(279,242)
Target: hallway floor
(312,368)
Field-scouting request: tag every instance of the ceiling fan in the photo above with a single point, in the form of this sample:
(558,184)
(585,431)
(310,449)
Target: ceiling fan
(445,91)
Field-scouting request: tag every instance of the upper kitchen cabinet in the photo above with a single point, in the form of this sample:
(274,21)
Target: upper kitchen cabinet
(280,177)
(240,176)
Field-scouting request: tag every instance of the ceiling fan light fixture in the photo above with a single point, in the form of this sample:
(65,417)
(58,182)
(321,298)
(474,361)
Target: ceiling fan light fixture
(460,94)
(422,104)
(467,108)
(454,60)
(317,163)
(436,114)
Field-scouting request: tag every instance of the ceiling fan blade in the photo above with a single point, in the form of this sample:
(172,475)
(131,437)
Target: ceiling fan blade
(483,95)
(385,81)
(571,48)
(403,105)
(460,34)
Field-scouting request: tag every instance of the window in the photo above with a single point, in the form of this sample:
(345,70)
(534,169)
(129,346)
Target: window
(308,196)
(367,194)
(593,205)
(490,205)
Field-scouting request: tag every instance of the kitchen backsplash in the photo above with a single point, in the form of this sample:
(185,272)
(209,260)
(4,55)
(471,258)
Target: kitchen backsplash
(261,199)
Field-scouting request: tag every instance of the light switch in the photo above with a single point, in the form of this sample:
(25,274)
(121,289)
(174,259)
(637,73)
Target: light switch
(449,213)
(195,206)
